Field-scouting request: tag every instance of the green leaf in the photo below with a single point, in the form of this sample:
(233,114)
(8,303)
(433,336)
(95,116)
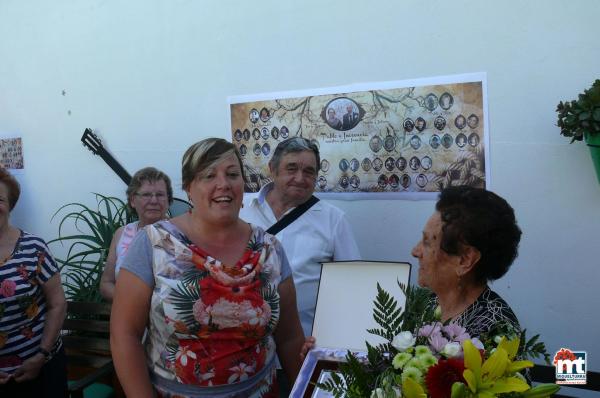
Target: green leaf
(571,121)
(89,245)
(541,391)
(459,390)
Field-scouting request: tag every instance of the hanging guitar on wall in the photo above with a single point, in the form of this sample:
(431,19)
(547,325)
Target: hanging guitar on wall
(94,144)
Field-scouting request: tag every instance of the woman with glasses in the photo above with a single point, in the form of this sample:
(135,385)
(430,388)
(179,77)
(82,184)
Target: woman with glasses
(149,195)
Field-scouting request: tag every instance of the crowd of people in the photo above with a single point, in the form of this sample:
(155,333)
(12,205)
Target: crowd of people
(211,303)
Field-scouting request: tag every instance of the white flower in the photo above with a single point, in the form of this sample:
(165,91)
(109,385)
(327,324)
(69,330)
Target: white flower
(240,372)
(403,341)
(183,353)
(377,393)
(451,350)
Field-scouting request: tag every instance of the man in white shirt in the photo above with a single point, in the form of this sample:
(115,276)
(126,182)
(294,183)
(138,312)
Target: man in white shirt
(320,234)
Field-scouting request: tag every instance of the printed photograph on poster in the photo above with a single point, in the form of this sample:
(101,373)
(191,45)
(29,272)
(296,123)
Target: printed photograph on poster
(11,154)
(403,139)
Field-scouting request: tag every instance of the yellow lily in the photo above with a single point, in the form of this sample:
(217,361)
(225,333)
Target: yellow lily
(412,389)
(496,374)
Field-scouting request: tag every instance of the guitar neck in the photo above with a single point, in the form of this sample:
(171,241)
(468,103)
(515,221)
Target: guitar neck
(114,165)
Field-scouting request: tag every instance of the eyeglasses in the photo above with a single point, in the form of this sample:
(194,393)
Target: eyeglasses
(147,196)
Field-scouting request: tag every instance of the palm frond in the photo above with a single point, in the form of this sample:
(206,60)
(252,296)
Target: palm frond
(88,247)
(183,298)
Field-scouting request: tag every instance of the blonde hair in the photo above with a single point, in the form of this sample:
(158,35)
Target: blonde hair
(204,155)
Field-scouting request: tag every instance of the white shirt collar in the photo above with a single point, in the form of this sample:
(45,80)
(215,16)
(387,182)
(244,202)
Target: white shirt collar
(262,194)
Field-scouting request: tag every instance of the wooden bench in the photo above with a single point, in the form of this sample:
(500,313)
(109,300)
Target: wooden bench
(86,336)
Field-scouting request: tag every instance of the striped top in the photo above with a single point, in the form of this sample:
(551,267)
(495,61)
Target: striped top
(22,301)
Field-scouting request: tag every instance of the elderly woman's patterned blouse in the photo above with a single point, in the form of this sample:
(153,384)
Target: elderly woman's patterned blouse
(487,313)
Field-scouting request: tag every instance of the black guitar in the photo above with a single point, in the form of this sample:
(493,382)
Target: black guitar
(94,144)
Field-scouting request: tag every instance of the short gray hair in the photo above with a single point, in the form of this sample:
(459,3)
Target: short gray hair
(151,175)
(292,145)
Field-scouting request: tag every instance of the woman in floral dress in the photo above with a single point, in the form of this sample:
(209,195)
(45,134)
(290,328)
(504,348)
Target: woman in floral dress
(216,293)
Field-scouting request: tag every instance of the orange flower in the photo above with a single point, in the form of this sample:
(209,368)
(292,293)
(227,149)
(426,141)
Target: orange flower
(32,310)
(27,332)
(181,327)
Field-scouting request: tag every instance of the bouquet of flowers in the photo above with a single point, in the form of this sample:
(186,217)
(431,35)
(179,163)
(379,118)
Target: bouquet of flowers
(423,357)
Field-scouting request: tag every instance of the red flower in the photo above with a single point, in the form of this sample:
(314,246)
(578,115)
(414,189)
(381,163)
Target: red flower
(213,290)
(440,377)
(9,361)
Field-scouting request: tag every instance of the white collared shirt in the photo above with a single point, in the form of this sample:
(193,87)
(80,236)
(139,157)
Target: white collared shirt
(321,234)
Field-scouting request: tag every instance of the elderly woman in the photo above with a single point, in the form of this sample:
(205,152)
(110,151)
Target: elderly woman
(216,292)
(149,195)
(333,120)
(471,239)
(32,309)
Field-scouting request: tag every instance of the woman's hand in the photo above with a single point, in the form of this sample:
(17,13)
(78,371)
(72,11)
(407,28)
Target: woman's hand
(309,344)
(4,378)
(30,368)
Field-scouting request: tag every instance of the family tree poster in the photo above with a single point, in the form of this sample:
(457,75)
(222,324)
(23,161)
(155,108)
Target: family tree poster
(11,154)
(401,139)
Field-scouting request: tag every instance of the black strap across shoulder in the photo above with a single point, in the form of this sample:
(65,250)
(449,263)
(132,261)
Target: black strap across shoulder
(292,215)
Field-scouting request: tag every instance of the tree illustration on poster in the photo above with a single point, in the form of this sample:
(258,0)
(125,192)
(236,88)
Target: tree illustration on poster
(441,126)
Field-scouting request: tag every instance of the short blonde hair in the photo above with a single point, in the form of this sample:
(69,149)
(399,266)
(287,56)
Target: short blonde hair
(205,154)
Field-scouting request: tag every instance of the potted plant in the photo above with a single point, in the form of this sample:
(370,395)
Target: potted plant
(580,119)
(88,244)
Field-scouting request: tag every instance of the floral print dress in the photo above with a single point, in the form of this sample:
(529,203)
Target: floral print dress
(211,323)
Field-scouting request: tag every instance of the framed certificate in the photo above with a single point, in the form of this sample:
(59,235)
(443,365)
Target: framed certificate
(344,309)
(344,312)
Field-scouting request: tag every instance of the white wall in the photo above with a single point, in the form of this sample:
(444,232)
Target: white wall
(152,77)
